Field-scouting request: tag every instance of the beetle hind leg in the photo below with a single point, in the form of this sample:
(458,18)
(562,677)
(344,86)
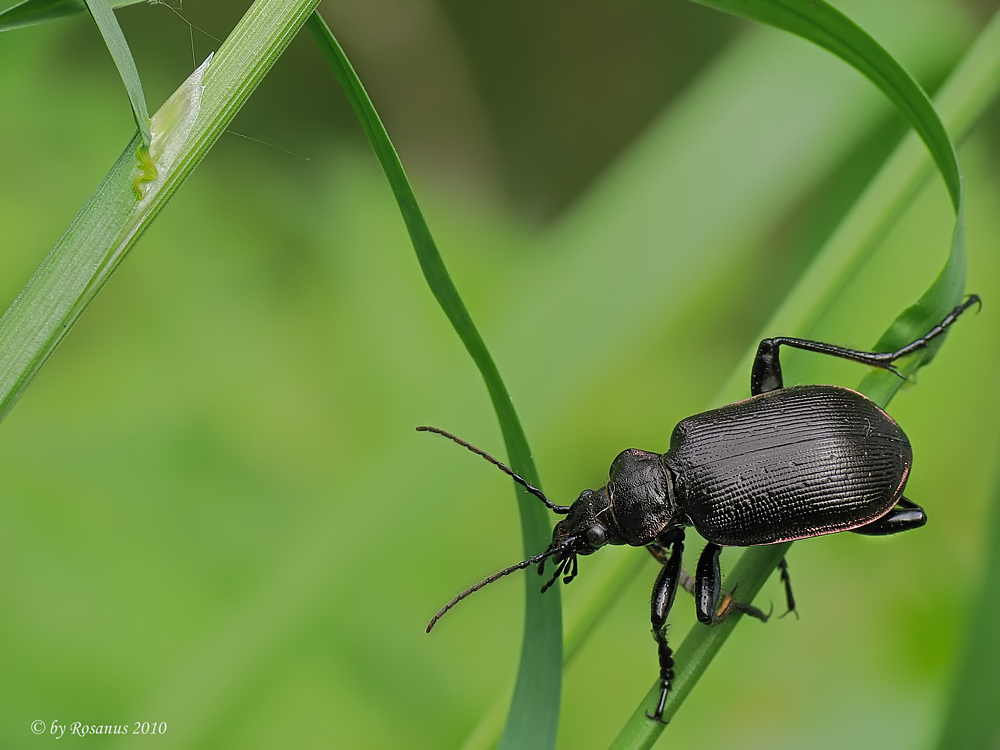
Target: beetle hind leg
(765,375)
(904,516)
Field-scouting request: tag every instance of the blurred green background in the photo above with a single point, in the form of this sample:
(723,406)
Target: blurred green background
(215,512)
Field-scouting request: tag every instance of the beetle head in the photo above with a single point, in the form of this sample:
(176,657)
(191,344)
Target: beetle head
(587,527)
(632,508)
(582,530)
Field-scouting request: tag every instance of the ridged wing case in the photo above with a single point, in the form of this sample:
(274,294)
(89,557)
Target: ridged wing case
(788,464)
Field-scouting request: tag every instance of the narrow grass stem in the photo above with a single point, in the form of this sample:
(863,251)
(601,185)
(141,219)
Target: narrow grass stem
(534,712)
(109,225)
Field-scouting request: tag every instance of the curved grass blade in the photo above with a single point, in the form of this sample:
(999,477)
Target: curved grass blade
(534,713)
(106,22)
(827,27)
(981,65)
(109,225)
(34,12)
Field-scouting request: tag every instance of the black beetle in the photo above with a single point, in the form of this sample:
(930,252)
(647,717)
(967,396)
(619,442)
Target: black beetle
(784,464)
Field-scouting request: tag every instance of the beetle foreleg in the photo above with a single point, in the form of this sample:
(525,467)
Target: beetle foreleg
(659,553)
(905,516)
(685,580)
(663,598)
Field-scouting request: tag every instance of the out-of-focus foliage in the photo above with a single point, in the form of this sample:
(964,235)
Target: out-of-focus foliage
(32,12)
(976,692)
(215,512)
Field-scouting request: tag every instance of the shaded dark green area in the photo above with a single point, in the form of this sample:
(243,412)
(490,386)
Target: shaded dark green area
(32,12)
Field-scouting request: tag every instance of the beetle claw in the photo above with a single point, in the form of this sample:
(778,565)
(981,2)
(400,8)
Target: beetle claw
(896,372)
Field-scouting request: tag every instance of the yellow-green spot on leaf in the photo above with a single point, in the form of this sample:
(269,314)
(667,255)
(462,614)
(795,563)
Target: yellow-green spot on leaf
(170,128)
(147,169)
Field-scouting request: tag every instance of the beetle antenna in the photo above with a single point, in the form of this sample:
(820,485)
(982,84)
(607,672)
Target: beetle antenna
(485,582)
(561,509)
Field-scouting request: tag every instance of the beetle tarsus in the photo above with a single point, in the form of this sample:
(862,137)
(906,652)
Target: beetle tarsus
(657,715)
(742,608)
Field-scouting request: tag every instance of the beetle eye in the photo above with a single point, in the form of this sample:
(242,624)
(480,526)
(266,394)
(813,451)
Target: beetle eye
(596,536)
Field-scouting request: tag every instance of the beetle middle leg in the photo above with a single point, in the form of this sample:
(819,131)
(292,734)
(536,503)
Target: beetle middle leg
(904,516)
(766,372)
(711,607)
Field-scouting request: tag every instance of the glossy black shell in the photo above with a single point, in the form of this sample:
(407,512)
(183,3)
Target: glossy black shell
(788,464)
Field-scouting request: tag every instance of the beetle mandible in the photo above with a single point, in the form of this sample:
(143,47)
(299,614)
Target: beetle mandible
(785,464)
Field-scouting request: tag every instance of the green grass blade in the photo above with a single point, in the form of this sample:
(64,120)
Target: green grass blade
(827,27)
(658,208)
(112,221)
(964,97)
(534,713)
(884,198)
(34,12)
(971,721)
(107,23)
